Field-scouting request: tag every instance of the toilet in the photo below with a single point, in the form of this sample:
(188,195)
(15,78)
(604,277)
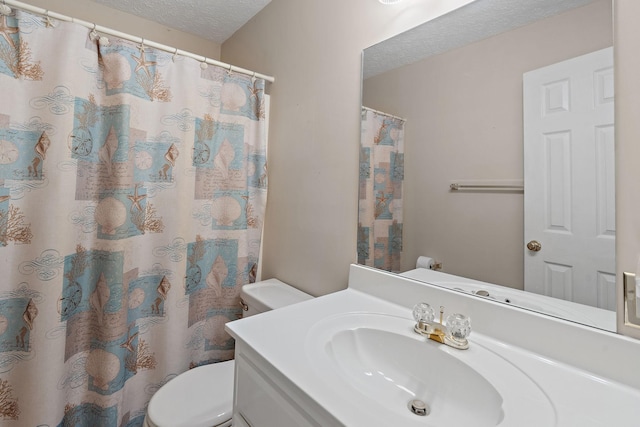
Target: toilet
(203,396)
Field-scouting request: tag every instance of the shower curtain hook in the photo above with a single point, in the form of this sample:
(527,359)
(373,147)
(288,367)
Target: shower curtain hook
(47,19)
(93,35)
(253,78)
(141,46)
(230,70)
(173,58)
(203,64)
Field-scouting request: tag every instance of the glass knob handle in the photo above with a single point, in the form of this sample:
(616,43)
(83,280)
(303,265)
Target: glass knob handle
(534,246)
(422,312)
(459,326)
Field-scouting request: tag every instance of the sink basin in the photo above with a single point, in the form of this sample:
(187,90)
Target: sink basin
(396,369)
(381,361)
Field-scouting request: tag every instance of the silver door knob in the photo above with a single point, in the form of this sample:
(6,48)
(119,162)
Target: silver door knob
(534,246)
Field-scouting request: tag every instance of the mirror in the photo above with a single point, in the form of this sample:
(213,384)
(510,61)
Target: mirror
(458,82)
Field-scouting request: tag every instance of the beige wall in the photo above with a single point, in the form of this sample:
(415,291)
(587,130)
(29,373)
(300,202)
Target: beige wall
(313,48)
(464,122)
(89,11)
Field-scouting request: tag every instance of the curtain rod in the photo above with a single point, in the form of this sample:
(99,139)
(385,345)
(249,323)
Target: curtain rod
(384,114)
(115,33)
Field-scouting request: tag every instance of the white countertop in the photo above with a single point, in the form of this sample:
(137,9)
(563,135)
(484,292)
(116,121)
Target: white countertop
(586,377)
(282,337)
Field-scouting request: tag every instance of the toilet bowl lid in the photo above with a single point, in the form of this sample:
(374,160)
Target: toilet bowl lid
(200,397)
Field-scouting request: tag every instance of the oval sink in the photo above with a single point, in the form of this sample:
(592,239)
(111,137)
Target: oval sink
(383,361)
(393,368)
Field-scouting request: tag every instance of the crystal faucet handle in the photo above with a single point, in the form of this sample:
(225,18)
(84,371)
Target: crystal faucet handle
(422,312)
(459,326)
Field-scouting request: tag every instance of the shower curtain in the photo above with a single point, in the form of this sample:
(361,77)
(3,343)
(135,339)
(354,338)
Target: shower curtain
(380,193)
(132,193)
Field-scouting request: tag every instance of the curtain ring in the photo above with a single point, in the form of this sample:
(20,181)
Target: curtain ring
(173,57)
(254,78)
(230,70)
(203,64)
(47,19)
(93,35)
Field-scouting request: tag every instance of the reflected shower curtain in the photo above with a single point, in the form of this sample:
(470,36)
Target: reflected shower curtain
(132,193)
(380,193)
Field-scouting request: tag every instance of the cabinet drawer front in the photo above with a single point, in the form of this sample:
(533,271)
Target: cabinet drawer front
(261,402)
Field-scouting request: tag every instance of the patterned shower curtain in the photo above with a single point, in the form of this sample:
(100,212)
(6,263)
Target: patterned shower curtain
(380,194)
(132,194)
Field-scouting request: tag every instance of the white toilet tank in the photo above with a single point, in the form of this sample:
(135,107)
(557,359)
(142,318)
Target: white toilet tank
(268,295)
(203,396)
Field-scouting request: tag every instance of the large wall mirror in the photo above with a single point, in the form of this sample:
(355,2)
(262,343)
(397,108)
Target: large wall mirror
(475,87)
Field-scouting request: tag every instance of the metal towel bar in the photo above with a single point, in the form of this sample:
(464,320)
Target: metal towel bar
(488,186)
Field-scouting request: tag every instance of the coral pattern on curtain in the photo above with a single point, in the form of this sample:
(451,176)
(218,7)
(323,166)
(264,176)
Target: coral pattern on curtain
(132,194)
(380,193)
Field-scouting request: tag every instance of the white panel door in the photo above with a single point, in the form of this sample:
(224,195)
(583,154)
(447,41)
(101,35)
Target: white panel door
(569,180)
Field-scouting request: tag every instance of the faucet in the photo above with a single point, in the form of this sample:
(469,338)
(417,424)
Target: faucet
(453,334)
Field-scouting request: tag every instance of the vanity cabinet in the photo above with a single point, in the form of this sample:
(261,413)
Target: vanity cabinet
(265,398)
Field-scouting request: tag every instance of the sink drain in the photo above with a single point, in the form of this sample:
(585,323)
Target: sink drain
(418,407)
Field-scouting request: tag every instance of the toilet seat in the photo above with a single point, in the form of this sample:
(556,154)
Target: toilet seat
(200,397)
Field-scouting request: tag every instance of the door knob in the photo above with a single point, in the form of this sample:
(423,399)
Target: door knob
(534,246)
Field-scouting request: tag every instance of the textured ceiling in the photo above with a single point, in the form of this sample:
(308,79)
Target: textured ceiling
(215,20)
(468,24)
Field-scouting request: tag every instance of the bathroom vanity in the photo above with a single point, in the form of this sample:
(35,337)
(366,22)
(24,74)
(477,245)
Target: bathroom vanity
(352,358)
